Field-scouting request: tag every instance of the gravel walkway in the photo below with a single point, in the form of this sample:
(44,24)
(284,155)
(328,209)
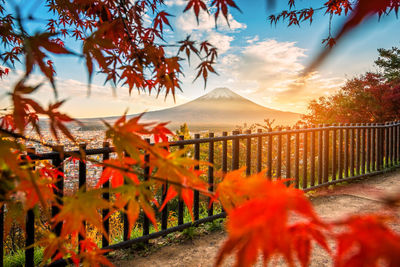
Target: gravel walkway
(360,197)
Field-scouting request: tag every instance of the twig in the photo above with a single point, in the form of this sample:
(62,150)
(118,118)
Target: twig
(127,170)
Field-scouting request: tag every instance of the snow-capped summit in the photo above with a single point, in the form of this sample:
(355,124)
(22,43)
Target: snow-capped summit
(220,109)
(221,92)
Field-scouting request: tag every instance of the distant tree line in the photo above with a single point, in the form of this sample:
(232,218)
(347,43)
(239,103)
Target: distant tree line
(371,97)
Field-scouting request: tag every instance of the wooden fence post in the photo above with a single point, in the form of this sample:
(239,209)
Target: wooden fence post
(59,164)
(180,202)
(146,174)
(346,150)
(379,146)
(196,201)
(296,157)
(164,212)
(312,157)
(59,187)
(352,137)
(368,145)
(374,144)
(248,153)
(363,137)
(211,171)
(269,154)
(326,154)
(288,154)
(30,228)
(334,159)
(358,149)
(387,146)
(235,151)
(340,152)
(259,151)
(279,155)
(397,142)
(320,155)
(305,167)
(82,176)
(391,148)
(393,143)
(106,196)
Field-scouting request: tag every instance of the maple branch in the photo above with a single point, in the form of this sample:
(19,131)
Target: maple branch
(121,4)
(161,179)
(124,169)
(33,181)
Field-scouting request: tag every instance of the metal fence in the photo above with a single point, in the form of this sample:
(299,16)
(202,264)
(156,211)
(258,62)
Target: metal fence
(312,157)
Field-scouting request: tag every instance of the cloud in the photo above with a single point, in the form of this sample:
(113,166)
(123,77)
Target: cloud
(252,40)
(221,36)
(101,102)
(266,71)
(269,72)
(187,22)
(176,2)
(221,41)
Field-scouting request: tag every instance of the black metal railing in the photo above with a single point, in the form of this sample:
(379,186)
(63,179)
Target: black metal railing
(313,157)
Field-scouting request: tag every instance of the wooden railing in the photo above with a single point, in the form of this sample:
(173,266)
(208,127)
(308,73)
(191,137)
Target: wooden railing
(312,157)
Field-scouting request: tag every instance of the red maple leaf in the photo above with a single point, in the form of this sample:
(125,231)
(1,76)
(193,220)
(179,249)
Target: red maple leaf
(196,5)
(367,241)
(117,174)
(258,220)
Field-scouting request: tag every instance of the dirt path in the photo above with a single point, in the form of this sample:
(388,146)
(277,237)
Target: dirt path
(330,204)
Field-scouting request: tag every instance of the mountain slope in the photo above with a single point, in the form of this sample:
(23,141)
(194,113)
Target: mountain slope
(220,109)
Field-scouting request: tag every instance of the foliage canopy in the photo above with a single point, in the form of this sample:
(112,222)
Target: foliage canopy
(125,40)
(369,98)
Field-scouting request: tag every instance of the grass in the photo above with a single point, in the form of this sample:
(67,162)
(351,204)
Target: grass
(215,225)
(189,233)
(18,258)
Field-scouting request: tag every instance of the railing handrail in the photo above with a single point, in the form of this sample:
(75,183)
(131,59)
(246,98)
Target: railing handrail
(337,153)
(202,140)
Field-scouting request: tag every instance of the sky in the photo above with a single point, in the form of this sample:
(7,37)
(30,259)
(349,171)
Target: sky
(256,60)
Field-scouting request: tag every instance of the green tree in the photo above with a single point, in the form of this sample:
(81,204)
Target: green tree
(125,41)
(371,97)
(183,131)
(389,62)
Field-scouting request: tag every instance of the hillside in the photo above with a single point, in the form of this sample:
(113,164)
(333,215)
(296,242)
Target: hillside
(220,109)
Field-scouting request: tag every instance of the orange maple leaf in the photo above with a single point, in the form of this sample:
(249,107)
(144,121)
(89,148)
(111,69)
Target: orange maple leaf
(131,198)
(367,241)
(115,174)
(91,255)
(258,220)
(82,207)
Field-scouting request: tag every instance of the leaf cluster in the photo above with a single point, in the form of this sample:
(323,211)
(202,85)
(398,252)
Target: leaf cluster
(265,217)
(369,98)
(125,41)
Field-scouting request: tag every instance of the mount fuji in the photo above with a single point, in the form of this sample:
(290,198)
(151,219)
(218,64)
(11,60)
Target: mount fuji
(219,110)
